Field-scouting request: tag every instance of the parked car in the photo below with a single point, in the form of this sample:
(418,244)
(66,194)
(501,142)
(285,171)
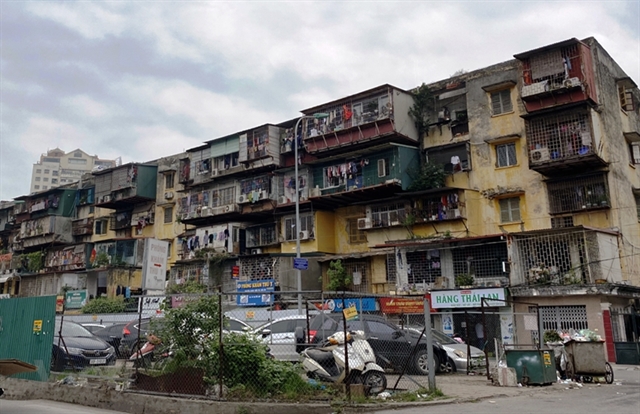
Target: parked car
(93,327)
(457,351)
(392,345)
(79,348)
(112,334)
(279,336)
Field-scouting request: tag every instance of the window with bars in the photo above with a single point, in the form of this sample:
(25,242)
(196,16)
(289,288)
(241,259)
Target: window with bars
(578,194)
(101,226)
(626,99)
(506,154)
(390,264)
(359,275)
(227,161)
(509,209)
(262,235)
(355,235)
(223,197)
(553,137)
(560,222)
(501,102)
(168,180)
(388,215)
(168,215)
(634,153)
(306,224)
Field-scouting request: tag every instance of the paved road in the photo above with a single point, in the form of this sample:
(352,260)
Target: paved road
(621,397)
(47,407)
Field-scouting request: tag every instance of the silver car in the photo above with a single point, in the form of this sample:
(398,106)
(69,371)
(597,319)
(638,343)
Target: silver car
(279,336)
(457,352)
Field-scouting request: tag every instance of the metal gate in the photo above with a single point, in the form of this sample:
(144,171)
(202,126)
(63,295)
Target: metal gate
(625,323)
(26,332)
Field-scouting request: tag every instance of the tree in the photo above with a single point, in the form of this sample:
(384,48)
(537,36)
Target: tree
(429,176)
(422,109)
(339,279)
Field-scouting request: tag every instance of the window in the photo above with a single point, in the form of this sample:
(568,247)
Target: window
(560,222)
(626,98)
(168,180)
(453,158)
(101,226)
(39,171)
(261,235)
(37,178)
(355,235)
(77,154)
(46,171)
(510,209)
(226,161)
(383,167)
(380,328)
(388,215)
(54,173)
(44,187)
(223,197)
(45,179)
(506,154)
(564,318)
(634,153)
(78,161)
(54,181)
(637,197)
(37,187)
(306,224)
(168,215)
(501,102)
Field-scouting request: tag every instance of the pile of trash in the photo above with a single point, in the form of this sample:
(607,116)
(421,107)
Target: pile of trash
(552,338)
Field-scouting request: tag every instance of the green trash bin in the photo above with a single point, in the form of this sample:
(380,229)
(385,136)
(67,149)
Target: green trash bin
(533,366)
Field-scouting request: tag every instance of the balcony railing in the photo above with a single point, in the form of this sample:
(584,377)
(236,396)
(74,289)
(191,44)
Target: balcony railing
(583,193)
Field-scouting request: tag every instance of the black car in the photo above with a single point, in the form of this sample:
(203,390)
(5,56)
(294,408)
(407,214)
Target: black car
(132,332)
(78,348)
(112,335)
(392,345)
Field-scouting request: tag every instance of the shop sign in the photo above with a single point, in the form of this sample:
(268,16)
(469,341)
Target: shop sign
(398,305)
(252,292)
(335,305)
(75,299)
(470,298)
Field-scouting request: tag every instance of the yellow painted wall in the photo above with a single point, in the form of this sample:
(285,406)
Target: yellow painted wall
(98,214)
(325,231)
(123,277)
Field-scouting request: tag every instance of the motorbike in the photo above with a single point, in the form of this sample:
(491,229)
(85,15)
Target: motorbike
(148,353)
(327,362)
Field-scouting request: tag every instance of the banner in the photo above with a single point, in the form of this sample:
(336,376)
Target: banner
(254,295)
(75,299)
(469,298)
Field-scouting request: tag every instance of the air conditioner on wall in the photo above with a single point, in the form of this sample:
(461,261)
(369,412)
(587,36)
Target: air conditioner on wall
(304,234)
(283,200)
(256,251)
(168,195)
(540,154)
(214,172)
(242,199)
(316,192)
(364,223)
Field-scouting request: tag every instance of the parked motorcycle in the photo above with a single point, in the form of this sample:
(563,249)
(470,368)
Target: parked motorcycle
(327,362)
(149,353)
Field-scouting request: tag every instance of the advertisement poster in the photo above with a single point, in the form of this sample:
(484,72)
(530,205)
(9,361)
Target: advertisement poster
(75,299)
(257,292)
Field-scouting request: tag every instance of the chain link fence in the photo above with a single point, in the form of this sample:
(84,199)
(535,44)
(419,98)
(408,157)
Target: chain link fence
(251,344)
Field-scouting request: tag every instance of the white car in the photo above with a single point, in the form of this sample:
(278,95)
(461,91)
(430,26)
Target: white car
(279,336)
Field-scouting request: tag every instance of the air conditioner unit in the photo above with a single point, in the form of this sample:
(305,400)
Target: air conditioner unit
(316,192)
(256,251)
(106,199)
(394,223)
(540,154)
(304,235)
(168,195)
(534,89)
(242,198)
(214,172)
(283,200)
(572,83)
(364,223)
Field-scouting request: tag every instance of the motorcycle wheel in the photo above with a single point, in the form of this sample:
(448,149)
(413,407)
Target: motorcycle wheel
(374,382)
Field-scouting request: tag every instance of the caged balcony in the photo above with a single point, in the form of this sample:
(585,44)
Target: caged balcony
(124,186)
(557,74)
(561,142)
(376,114)
(561,257)
(578,194)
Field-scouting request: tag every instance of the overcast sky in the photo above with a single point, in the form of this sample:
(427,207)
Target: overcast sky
(145,79)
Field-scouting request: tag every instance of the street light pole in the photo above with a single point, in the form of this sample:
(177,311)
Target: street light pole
(295,145)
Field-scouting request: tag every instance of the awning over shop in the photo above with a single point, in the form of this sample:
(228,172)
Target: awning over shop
(359,255)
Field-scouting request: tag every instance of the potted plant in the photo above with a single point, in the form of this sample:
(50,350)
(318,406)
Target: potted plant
(464,280)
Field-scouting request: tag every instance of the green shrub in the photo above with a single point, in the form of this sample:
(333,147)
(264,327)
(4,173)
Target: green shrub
(105,305)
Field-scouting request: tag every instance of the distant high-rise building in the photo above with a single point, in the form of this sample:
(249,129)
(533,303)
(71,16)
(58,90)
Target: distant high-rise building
(57,168)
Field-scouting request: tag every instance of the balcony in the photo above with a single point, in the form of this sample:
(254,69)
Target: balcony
(82,227)
(438,205)
(201,207)
(562,142)
(46,230)
(124,186)
(556,75)
(578,194)
(561,257)
(68,258)
(118,253)
(260,147)
(356,121)
(261,236)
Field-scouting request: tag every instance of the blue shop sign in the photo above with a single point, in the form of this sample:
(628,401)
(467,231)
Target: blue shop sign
(368,304)
(255,292)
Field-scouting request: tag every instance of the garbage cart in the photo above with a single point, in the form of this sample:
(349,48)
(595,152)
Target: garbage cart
(586,361)
(533,366)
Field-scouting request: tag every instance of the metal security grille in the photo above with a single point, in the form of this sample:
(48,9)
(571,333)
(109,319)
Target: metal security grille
(359,273)
(578,194)
(564,318)
(553,137)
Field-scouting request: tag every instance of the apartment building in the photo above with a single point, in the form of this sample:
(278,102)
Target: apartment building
(56,168)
